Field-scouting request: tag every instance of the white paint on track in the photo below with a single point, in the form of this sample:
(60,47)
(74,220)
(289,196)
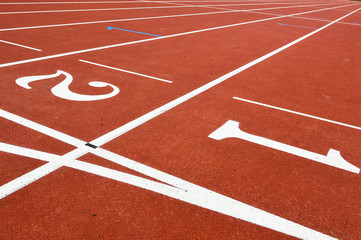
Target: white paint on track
(141,18)
(138,1)
(333,158)
(42,129)
(135,123)
(20,45)
(159,38)
(142,8)
(299,113)
(89,10)
(126,71)
(174,188)
(197,196)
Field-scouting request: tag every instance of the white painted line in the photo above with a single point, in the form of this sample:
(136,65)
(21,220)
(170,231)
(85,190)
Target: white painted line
(89,10)
(191,193)
(122,70)
(19,45)
(93,2)
(299,113)
(158,38)
(127,127)
(42,129)
(47,3)
(135,19)
(115,20)
(306,18)
(333,158)
(54,162)
(139,121)
(27,178)
(139,8)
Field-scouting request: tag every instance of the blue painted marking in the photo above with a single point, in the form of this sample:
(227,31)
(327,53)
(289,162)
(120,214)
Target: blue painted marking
(110,28)
(283,24)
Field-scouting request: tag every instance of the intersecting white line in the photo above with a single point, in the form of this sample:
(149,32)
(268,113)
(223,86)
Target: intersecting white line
(212,199)
(132,8)
(137,122)
(306,18)
(20,45)
(40,3)
(298,113)
(181,190)
(158,38)
(126,71)
(136,19)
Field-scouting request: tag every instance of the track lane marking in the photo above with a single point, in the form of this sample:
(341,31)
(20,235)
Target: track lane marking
(306,18)
(291,25)
(117,132)
(231,129)
(20,45)
(158,38)
(137,122)
(42,129)
(141,120)
(126,71)
(181,190)
(141,8)
(40,3)
(132,19)
(298,113)
(89,10)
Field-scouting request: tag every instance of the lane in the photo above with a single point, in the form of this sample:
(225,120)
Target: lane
(317,195)
(14,19)
(72,201)
(187,62)
(254,232)
(68,6)
(152,39)
(46,19)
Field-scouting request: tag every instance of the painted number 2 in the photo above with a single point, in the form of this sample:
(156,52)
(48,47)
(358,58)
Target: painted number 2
(62,90)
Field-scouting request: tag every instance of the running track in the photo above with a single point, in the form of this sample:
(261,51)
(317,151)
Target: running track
(180,119)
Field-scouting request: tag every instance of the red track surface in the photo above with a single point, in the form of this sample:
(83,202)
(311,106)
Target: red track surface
(318,75)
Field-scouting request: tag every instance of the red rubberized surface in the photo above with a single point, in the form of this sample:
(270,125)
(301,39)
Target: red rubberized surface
(319,76)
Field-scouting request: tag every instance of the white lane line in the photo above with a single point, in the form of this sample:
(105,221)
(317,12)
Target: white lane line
(122,70)
(189,193)
(142,8)
(114,20)
(89,10)
(139,121)
(136,8)
(134,19)
(26,179)
(19,45)
(298,113)
(42,129)
(306,18)
(158,38)
(40,3)
(54,162)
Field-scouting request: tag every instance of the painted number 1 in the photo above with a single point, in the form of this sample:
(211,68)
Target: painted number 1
(231,130)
